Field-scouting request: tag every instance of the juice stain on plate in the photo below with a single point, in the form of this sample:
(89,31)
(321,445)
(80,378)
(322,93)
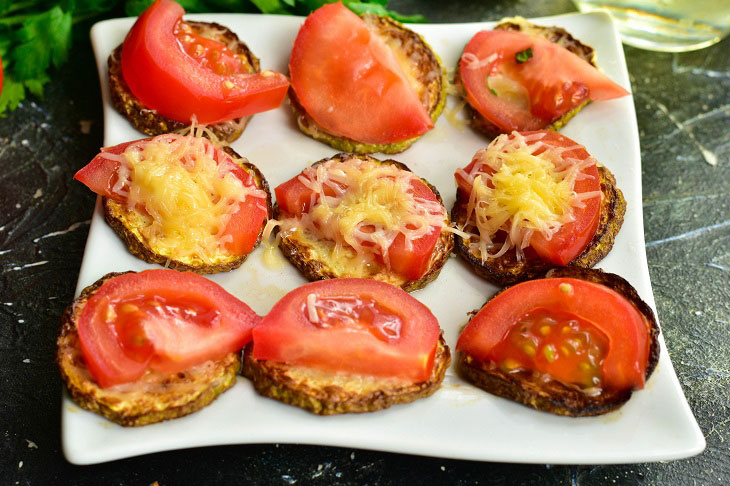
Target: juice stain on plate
(461,394)
(272,258)
(261,297)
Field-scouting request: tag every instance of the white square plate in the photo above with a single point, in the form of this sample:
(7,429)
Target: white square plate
(459,420)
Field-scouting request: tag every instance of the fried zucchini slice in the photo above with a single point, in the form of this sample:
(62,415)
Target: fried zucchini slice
(423,69)
(559,36)
(507,270)
(147,120)
(314,258)
(553,396)
(326,393)
(155,397)
(127,223)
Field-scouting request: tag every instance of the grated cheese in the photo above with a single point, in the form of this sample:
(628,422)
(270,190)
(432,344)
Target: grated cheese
(182,195)
(362,206)
(521,185)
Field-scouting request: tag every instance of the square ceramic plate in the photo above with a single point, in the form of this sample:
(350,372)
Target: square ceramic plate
(459,420)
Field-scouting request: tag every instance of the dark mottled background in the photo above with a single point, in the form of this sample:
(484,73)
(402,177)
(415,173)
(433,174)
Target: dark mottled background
(683,105)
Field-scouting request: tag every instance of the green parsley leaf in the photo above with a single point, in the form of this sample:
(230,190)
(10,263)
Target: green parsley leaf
(271,6)
(493,92)
(13,93)
(35,86)
(136,7)
(523,56)
(43,39)
(379,9)
(5,5)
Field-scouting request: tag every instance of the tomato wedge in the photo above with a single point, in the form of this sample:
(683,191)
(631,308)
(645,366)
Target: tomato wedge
(349,81)
(179,74)
(295,198)
(101,175)
(350,325)
(615,317)
(573,237)
(163,320)
(413,262)
(532,94)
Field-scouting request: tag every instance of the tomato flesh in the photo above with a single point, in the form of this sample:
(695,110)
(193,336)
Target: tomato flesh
(181,75)
(211,54)
(349,81)
(294,198)
(159,319)
(244,226)
(598,311)
(546,86)
(560,344)
(350,325)
(573,237)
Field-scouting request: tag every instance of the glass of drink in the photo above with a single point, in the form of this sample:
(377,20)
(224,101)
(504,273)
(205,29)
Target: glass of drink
(666,25)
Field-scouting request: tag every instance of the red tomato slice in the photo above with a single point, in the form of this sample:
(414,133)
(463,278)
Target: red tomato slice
(573,237)
(532,94)
(363,326)
(244,226)
(100,174)
(294,198)
(412,263)
(166,70)
(616,317)
(350,82)
(161,319)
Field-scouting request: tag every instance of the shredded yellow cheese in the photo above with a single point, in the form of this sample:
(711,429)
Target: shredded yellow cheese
(362,206)
(517,193)
(185,197)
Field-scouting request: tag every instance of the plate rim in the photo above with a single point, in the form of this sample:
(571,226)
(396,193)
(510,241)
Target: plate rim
(693,447)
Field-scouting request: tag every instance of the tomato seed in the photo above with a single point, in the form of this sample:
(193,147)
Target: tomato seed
(566,288)
(550,353)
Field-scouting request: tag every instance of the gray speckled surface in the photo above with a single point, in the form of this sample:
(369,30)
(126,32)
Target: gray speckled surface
(683,107)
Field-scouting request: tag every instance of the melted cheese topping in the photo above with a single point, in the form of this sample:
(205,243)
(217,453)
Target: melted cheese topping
(361,206)
(517,192)
(184,196)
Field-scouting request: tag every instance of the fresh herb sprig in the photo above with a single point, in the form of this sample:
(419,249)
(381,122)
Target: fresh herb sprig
(282,7)
(36,35)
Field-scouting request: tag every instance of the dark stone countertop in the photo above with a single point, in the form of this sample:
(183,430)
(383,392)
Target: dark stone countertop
(683,106)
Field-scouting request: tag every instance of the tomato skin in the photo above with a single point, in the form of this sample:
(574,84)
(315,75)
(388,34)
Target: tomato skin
(350,82)
(556,80)
(244,226)
(573,237)
(100,174)
(625,327)
(286,334)
(414,262)
(164,77)
(294,198)
(170,345)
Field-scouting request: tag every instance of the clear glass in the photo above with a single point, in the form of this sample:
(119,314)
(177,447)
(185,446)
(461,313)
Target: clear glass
(666,25)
